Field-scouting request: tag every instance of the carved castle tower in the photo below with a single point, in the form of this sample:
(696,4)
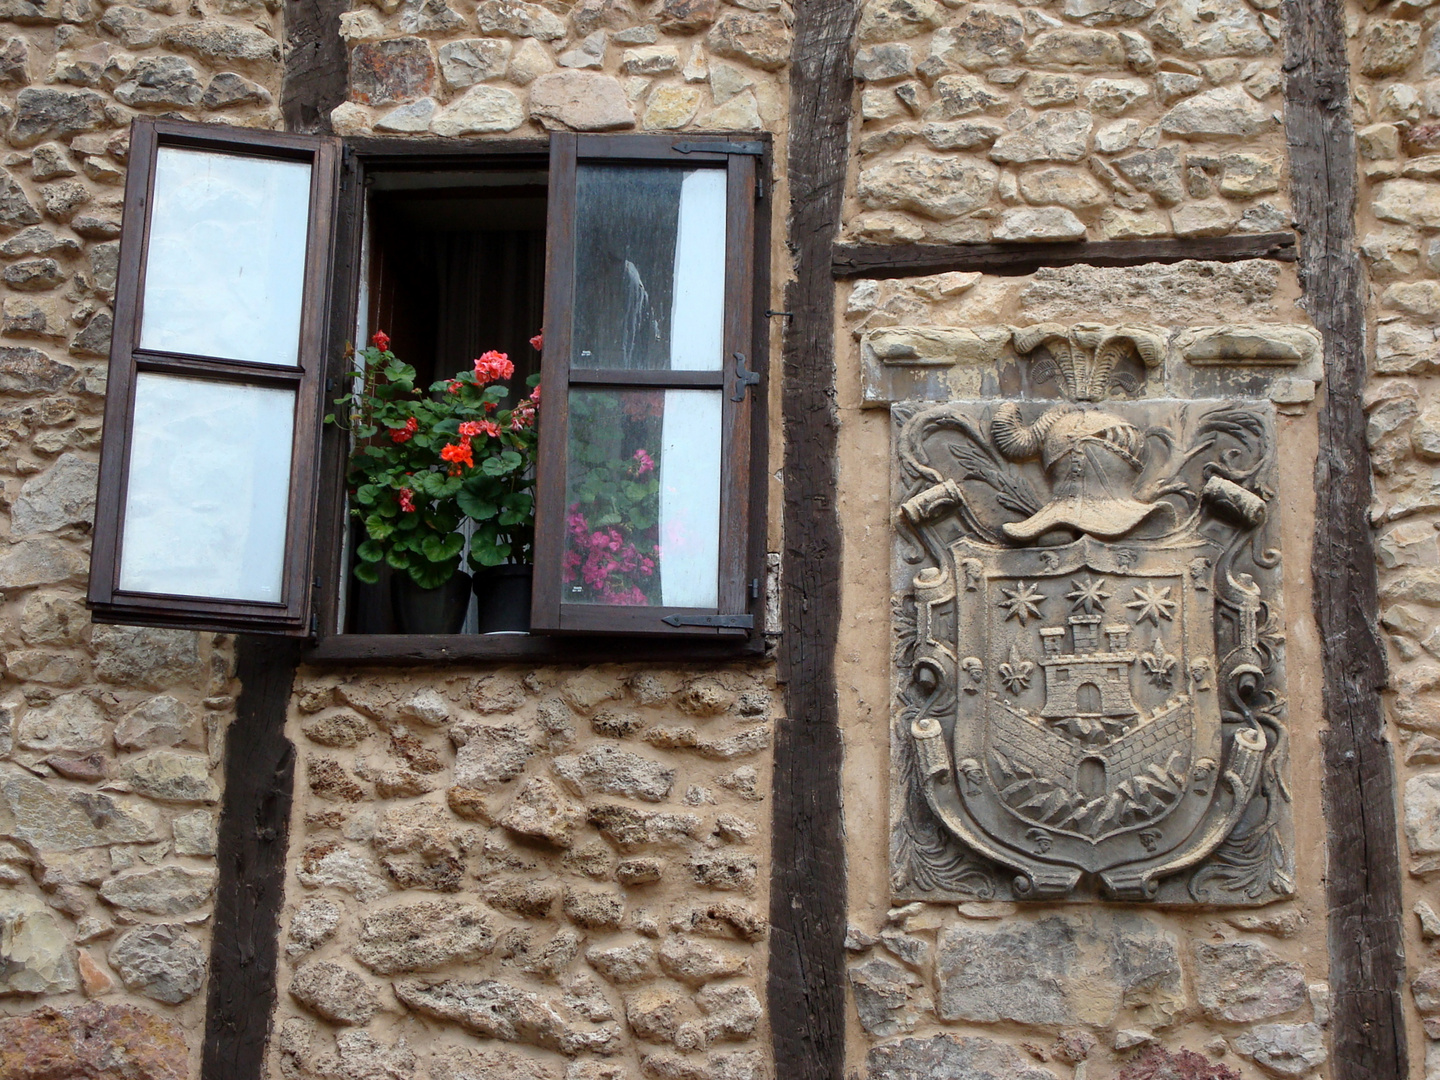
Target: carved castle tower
(1088,680)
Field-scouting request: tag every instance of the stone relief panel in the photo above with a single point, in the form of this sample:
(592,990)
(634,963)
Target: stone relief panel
(1089,664)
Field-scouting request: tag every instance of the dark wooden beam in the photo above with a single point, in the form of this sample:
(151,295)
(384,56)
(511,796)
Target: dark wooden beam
(254,829)
(259,760)
(1363,879)
(912,260)
(316,64)
(807,879)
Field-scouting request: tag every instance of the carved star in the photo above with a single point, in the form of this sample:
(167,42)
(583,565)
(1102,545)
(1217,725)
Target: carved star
(1088,595)
(1022,602)
(1153,603)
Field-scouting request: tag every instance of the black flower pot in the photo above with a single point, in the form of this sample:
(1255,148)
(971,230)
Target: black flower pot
(372,607)
(502,595)
(431,611)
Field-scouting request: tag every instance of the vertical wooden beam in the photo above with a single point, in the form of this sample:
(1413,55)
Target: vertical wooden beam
(259,760)
(807,881)
(1363,877)
(316,64)
(254,829)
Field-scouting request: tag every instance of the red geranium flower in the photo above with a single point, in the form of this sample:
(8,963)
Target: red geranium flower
(492,366)
(381,340)
(538,341)
(405,434)
(407,500)
(458,454)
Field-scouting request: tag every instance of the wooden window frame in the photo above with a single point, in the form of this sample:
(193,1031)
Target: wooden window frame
(107,601)
(736,597)
(365,156)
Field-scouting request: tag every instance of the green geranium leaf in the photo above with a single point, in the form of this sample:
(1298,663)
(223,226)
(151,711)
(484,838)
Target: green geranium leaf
(398,559)
(433,575)
(490,554)
(367,573)
(370,551)
(475,506)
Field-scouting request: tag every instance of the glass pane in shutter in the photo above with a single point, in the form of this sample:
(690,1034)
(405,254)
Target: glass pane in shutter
(207,498)
(649,268)
(642,498)
(225,268)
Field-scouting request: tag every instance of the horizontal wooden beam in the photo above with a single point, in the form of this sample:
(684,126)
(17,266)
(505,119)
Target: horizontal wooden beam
(411,649)
(912,260)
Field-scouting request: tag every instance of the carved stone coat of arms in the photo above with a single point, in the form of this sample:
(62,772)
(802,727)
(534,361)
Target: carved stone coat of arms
(1089,666)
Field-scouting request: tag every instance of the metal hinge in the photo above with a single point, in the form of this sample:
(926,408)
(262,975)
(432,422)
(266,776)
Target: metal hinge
(728,622)
(744,378)
(753,149)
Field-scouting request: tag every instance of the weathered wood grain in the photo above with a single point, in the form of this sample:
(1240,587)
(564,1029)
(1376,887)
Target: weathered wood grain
(912,260)
(254,827)
(316,64)
(807,882)
(1363,878)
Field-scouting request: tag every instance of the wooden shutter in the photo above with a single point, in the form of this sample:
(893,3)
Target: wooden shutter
(208,470)
(633,337)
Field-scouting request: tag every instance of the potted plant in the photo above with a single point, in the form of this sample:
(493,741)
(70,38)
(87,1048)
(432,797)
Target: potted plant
(498,495)
(422,464)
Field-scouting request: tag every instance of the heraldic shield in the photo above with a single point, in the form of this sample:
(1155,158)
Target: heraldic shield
(1089,653)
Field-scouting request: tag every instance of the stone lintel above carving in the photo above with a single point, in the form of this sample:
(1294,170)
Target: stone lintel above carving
(1274,361)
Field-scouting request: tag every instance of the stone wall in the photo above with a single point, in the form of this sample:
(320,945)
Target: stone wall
(1092,990)
(110,737)
(563,873)
(507,66)
(536,873)
(1073,120)
(1395,58)
(544,872)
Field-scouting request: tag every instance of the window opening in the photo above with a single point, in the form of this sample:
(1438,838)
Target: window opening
(247,261)
(454,268)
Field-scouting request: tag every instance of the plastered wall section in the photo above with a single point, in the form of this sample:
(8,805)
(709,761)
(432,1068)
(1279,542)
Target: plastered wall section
(1090,990)
(1394,62)
(110,737)
(1066,120)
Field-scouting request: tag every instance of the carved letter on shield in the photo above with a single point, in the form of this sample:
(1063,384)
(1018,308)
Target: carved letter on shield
(1089,667)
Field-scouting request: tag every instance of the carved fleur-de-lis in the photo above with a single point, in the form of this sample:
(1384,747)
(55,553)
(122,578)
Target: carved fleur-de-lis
(1015,672)
(1159,665)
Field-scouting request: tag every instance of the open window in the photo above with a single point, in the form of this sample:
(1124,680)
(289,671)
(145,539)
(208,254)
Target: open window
(249,261)
(208,471)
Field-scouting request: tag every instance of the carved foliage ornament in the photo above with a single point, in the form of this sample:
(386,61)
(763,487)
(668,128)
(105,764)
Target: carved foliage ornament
(1089,658)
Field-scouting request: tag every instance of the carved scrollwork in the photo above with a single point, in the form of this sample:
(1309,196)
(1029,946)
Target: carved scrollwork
(1090,678)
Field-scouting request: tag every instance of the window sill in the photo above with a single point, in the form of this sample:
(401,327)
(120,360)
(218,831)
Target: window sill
(406,649)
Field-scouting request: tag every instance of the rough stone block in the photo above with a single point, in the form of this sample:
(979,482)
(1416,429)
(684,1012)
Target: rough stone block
(1059,970)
